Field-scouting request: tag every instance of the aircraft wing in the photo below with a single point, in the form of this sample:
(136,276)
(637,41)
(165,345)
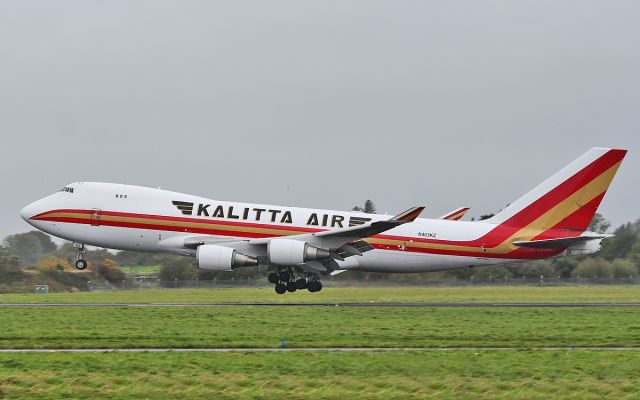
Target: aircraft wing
(373,228)
(342,243)
(455,214)
(347,242)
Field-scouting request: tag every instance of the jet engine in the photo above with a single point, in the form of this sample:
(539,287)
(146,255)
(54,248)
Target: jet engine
(293,252)
(220,258)
(587,247)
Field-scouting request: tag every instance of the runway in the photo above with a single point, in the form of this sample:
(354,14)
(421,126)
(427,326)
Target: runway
(371,304)
(310,349)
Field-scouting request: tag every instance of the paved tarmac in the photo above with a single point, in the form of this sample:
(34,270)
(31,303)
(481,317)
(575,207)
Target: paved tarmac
(307,349)
(372,304)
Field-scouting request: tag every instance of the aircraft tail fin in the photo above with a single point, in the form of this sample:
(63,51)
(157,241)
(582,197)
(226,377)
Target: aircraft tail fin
(568,199)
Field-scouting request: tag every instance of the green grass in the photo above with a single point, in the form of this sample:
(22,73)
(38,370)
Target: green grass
(461,374)
(324,375)
(247,326)
(140,270)
(342,295)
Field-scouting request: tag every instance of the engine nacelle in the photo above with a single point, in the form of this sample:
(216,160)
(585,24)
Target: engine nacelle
(587,247)
(293,252)
(220,258)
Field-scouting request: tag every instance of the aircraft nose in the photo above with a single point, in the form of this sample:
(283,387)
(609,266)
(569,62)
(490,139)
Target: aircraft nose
(29,211)
(26,213)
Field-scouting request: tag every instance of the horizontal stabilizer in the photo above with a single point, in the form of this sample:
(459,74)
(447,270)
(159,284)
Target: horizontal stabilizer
(558,243)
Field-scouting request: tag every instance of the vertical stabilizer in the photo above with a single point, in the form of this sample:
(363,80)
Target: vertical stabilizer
(568,199)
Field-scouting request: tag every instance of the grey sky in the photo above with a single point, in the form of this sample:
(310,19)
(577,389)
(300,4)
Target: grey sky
(317,103)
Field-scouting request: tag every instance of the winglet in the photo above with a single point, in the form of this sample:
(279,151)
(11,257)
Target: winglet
(456,214)
(408,216)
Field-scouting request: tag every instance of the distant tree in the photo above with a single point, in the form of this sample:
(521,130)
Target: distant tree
(620,245)
(128,258)
(182,268)
(29,247)
(634,253)
(599,224)
(563,266)
(8,259)
(368,208)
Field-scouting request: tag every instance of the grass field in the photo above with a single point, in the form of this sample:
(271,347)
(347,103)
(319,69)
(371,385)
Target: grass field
(465,374)
(578,374)
(141,269)
(190,327)
(502,294)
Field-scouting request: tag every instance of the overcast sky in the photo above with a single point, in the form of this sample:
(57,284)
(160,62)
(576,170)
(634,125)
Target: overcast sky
(317,103)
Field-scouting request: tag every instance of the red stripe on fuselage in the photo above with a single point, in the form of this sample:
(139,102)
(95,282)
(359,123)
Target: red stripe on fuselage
(83,218)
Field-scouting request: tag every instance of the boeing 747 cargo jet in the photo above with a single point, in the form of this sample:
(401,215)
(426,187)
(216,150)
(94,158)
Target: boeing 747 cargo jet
(299,245)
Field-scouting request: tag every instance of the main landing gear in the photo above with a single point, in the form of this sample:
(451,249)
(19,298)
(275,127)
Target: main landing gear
(286,281)
(81,263)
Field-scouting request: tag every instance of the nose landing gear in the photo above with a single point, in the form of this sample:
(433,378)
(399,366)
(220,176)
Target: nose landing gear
(81,263)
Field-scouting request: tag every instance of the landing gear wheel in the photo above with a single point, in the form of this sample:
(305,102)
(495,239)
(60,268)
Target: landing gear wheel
(81,264)
(281,288)
(285,276)
(273,277)
(315,286)
(291,287)
(301,284)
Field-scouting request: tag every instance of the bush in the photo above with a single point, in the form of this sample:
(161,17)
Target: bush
(10,274)
(534,269)
(593,268)
(495,272)
(622,268)
(67,280)
(51,262)
(108,269)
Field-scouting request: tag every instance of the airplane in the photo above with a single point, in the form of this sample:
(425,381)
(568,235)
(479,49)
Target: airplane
(299,246)
(456,214)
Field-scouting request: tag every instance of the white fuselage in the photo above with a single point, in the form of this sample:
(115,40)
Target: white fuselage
(129,217)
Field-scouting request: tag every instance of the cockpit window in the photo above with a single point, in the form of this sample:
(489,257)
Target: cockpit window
(67,189)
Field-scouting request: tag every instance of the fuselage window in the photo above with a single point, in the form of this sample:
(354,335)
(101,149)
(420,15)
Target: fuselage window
(67,189)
